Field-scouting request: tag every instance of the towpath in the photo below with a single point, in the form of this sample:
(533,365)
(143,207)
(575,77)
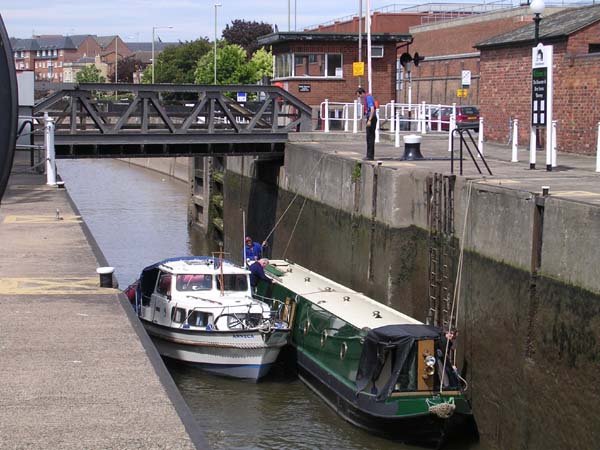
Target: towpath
(77,370)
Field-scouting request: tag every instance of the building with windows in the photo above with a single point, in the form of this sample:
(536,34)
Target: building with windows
(316,66)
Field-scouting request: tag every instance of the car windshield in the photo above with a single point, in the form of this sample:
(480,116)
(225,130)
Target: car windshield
(470,111)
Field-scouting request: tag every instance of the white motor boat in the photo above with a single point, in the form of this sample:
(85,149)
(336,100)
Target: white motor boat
(200,310)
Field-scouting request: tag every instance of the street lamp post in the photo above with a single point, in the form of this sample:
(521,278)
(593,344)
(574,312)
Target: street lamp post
(217,5)
(153,38)
(537,7)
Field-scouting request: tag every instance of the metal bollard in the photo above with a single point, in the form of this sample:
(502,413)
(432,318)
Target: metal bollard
(480,138)
(106,276)
(532,145)
(397,132)
(554,122)
(50,151)
(326,116)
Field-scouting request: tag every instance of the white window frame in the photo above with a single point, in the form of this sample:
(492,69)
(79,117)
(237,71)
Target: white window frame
(291,57)
(375,51)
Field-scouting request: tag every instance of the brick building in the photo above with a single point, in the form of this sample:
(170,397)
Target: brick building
(506,78)
(316,66)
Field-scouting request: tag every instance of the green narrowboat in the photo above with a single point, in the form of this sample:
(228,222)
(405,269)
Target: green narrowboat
(379,369)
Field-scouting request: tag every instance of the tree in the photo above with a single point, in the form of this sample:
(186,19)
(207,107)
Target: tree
(127,67)
(262,60)
(245,34)
(176,64)
(89,74)
(232,67)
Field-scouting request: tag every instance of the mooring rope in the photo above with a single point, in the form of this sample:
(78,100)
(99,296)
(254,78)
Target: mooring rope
(294,199)
(456,296)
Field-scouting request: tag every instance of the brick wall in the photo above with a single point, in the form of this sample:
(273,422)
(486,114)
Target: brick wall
(344,89)
(506,92)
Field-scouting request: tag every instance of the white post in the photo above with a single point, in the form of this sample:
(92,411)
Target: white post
(439,118)
(355,121)
(393,117)
(554,123)
(377,126)
(326,116)
(50,152)
(480,137)
(397,132)
(532,144)
(450,129)
(423,119)
(515,139)
(346,117)
(598,150)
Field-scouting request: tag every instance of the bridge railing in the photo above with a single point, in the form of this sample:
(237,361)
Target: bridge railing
(167,113)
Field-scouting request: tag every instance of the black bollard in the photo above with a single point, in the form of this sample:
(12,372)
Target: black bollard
(412,147)
(106,276)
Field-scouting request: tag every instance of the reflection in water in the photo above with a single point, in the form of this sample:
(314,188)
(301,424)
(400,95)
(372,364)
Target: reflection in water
(139,217)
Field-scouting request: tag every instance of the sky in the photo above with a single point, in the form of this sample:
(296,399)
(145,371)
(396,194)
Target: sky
(133,20)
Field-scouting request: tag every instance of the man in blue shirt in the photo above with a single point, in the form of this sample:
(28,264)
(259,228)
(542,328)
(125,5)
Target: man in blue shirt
(371,115)
(253,250)
(257,272)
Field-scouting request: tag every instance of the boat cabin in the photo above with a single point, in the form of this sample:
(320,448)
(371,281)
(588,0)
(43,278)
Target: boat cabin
(200,293)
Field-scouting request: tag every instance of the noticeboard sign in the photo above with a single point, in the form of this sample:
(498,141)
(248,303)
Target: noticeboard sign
(242,97)
(466,78)
(304,87)
(539,96)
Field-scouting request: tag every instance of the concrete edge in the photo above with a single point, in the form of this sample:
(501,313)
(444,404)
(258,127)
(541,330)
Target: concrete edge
(192,427)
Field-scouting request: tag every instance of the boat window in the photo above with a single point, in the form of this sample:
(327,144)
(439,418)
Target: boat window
(198,319)
(196,282)
(164,284)
(407,378)
(233,282)
(178,315)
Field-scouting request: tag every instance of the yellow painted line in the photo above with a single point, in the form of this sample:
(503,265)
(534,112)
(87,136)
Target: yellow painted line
(500,181)
(53,286)
(575,193)
(36,219)
(32,187)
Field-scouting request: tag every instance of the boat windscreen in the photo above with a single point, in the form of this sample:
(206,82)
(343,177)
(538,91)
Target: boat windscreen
(233,282)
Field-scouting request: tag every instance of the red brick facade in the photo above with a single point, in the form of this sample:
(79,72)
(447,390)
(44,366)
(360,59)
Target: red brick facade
(506,91)
(342,89)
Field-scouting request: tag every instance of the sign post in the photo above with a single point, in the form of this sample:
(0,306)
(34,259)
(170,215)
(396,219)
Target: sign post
(541,98)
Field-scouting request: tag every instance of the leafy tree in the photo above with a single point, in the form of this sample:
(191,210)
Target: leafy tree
(126,68)
(245,34)
(176,64)
(232,67)
(262,60)
(89,74)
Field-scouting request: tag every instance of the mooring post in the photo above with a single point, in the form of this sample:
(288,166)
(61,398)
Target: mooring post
(554,124)
(393,117)
(515,141)
(397,132)
(532,145)
(356,117)
(106,276)
(50,151)
(480,138)
(326,116)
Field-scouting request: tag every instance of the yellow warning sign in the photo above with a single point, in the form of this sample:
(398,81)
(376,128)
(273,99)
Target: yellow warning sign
(358,68)
(57,218)
(53,286)
(462,92)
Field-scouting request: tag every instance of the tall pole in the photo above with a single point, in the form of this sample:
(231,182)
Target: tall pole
(360,2)
(289,21)
(370,77)
(116,66)
(153,29)
(295,15)
(215,43)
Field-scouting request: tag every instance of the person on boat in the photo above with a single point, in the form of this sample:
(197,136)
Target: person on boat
(257,272)
(254,250)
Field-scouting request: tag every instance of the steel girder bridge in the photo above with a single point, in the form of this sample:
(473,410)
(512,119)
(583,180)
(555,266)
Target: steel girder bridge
(158,120)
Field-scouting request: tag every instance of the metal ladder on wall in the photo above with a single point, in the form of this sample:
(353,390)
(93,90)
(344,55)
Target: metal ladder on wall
(442,248)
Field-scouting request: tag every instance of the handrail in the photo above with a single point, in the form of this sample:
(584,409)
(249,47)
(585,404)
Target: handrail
(465,144)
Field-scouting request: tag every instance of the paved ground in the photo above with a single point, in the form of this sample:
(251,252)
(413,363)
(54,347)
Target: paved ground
(76,371)
(574,177)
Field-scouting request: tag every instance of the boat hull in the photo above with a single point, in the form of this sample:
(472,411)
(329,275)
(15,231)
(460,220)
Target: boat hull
(238,354)
(384,418)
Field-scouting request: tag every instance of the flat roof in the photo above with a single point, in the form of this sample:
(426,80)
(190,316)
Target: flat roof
(293,36)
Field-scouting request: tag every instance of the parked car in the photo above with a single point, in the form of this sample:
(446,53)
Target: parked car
(466,117)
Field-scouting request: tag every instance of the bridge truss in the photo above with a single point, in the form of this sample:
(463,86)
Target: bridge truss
(171,120)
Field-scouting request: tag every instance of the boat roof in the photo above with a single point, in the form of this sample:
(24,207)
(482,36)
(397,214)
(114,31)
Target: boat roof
(197,265)
(345,303)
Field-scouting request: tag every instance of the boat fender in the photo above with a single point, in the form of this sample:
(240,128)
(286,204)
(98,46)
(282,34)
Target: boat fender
(209,327)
